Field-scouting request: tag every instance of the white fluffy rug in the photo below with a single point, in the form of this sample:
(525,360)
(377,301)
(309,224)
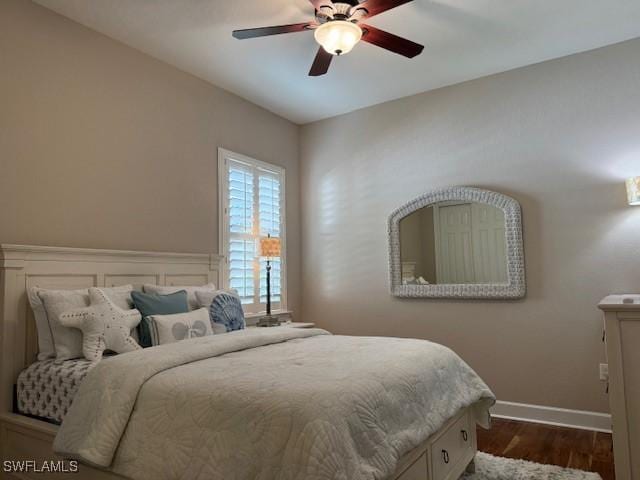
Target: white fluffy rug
(489,467)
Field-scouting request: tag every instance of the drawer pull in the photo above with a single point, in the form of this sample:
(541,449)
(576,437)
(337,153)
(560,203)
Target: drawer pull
(445,456)
(465,435)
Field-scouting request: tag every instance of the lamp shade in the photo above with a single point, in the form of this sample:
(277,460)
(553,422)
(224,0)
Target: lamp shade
(633,190)
(338,37)
(270,247)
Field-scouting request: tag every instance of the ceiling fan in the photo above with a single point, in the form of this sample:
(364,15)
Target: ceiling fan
(338,28)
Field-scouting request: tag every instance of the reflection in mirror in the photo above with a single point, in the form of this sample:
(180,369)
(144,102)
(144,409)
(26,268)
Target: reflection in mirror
(453,243)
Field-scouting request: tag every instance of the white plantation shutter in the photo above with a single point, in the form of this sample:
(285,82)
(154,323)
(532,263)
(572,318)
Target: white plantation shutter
(241,254)
(269,224)
(252,205)
(240,198)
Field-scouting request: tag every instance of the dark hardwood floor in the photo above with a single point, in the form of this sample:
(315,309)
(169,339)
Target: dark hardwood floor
(566,447)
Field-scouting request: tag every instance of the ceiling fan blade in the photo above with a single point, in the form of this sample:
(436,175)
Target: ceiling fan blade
(321,63)
(391,42)
(374,7)
(266,31)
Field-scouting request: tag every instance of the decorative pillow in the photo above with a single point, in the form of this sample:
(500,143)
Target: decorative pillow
(154,304)
(191,292)
(54,339)
(205,298)
(46,347)
(224,308)
(104,326)
(180,326)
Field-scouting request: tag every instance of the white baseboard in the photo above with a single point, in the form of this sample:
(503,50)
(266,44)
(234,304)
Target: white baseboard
(599,422)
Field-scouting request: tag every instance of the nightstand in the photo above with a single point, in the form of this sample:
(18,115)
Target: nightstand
(298,325)
(289,325)
(283,315)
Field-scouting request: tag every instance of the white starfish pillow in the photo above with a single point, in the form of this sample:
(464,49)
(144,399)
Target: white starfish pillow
(104,326)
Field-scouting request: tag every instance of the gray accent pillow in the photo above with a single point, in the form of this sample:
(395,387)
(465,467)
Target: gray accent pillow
(180,326)
(191,291)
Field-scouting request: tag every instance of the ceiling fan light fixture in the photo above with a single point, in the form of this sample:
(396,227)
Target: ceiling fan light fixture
(338,37)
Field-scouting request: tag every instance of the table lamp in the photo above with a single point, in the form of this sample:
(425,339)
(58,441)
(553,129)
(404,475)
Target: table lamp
(269,248)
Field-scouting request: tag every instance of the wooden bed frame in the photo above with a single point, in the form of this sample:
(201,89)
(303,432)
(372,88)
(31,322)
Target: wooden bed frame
(444,456)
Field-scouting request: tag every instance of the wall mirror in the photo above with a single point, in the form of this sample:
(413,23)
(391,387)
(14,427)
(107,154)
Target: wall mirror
(459,242)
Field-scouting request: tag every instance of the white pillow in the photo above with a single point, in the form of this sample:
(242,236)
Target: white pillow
(191,292)
(205,299)
(54,339)
(46,348)
(104,326)
(180,326)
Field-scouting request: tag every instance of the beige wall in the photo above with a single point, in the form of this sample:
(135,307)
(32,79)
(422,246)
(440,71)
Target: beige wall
(102,146)
(559,137)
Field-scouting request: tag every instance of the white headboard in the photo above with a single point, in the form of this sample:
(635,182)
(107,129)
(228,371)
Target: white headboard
(24,266)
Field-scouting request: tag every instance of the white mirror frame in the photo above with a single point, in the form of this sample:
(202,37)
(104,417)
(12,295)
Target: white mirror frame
(514,287)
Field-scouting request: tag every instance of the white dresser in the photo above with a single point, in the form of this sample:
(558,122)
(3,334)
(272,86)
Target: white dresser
(622,333)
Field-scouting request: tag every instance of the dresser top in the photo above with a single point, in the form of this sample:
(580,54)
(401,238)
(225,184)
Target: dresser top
(618,303)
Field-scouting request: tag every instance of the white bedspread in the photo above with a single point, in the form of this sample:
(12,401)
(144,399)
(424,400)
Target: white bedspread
(276,403)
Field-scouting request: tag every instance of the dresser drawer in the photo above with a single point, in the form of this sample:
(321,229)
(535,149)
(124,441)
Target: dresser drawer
(453,449)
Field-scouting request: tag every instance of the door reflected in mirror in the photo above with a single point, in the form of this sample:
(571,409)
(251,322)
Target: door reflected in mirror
(453,243)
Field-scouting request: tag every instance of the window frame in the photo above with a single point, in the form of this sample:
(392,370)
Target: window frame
(224,234)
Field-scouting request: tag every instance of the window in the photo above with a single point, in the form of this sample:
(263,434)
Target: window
(251,207)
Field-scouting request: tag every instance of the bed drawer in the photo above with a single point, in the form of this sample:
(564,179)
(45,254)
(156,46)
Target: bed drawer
(23,439)
(454,449)
(417,471)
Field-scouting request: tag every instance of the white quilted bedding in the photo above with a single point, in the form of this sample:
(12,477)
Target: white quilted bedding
(276,403)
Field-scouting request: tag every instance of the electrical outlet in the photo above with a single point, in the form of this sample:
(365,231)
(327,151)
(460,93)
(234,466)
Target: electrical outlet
(604,372)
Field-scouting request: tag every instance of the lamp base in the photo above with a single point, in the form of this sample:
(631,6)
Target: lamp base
(269,321)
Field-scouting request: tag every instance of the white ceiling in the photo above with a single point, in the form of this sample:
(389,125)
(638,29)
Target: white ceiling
(464,39)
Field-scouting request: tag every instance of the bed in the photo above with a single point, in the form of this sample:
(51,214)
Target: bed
(46,389)
(262,403)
